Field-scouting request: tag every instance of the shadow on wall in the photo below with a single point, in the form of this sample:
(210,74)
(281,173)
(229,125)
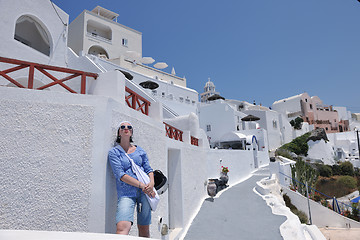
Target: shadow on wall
(110,200)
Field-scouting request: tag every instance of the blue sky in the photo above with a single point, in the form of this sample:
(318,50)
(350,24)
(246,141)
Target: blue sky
(262,50)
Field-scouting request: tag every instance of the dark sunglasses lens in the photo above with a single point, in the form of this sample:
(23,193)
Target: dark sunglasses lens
(123,127)
(129,127)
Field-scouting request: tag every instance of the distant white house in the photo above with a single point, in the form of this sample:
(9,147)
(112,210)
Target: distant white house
(224,128)
(313,111)
(279,130)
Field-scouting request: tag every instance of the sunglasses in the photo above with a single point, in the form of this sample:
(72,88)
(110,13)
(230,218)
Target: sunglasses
(122,127)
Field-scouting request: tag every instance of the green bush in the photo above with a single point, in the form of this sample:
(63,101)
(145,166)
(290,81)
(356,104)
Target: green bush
(297,123)
(288,203)
(283,152)
(298,145)
(336,170)
(302,216)
(347,168)
(347,182)
(324,170)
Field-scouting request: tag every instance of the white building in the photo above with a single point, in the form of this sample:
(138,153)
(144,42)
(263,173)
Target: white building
(98,33)
(277,126)
(224,128)
(96,36)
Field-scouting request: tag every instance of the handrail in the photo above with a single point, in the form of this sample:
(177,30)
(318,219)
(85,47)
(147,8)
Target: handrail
(173,132)
(43,69)
(137,102)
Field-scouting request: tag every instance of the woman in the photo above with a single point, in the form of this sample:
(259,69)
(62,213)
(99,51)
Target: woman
(131,192)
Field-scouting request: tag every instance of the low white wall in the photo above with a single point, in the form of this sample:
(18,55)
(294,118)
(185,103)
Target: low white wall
(282,169)
(321,216)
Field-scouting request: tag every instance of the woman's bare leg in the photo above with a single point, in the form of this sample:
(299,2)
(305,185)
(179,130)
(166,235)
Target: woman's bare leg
(123,227)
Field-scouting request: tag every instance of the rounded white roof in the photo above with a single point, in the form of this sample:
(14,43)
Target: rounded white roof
(232,136)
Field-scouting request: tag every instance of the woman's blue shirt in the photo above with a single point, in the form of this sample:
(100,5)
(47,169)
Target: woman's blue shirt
(121,165)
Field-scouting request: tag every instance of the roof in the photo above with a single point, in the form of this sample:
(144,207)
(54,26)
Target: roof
(287,99)
(355,200)
(232,136)
(104,12)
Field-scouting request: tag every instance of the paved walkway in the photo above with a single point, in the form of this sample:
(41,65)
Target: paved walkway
(238,213)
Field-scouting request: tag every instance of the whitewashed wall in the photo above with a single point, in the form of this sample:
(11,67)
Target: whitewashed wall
(287,105)
(44,13)
(54,156)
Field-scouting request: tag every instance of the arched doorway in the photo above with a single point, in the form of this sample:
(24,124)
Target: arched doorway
(98,51)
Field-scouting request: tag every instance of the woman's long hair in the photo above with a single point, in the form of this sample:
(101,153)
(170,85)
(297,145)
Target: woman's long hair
(118,138)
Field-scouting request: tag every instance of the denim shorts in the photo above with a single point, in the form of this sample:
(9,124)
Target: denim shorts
(126,207)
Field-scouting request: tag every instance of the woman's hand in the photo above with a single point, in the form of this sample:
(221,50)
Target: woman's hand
(149,189)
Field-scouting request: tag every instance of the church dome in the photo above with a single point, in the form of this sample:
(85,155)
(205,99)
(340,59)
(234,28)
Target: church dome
(209,86)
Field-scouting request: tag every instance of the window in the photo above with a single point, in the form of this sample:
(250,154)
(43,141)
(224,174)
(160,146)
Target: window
(305,99)
(163,94)
(29,32)
(274,124)
(311,106)
(208,128)
(124,42)
(181,99)
(326,128)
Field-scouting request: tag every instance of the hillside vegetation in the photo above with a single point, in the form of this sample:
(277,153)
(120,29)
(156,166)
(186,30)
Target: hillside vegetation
(298,146)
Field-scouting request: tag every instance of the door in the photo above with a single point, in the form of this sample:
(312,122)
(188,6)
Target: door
(175,189)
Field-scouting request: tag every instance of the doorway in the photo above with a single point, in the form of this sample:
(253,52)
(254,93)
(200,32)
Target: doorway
(175,189)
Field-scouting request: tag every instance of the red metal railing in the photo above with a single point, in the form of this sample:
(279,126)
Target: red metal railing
(44,70)
(137,102)
(194,141)
(173,132)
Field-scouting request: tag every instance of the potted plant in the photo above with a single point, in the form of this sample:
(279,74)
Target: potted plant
(223,174)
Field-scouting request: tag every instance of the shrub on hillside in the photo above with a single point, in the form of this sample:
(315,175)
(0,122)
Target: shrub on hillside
(324,170)
(347,182)
(299,145)
(302,216)
(336,170)
(283,152)
(347,168)
(337,186)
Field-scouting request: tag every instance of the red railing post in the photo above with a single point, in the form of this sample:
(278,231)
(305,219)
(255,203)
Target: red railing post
(31,76)
(83,84)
